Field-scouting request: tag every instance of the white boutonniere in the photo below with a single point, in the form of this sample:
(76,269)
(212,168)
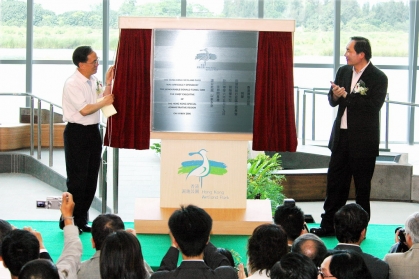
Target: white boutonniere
(99,87)
(360,88)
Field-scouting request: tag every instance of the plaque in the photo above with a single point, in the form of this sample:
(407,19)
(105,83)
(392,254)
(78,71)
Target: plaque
(204,81)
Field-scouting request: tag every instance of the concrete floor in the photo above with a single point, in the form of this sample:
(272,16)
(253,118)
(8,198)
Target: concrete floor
(139,177)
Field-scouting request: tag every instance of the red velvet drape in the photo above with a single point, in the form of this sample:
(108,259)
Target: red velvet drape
(274,120)
(130,127)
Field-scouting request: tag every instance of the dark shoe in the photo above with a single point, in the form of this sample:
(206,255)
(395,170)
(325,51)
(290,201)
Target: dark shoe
(85,228)
(80,231)
(61,223)
(320,232)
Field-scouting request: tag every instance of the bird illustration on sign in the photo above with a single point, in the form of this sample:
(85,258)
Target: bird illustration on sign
(205,56)
(202,168)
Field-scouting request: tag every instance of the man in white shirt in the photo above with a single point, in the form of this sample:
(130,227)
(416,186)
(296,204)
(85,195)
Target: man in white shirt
(82,140)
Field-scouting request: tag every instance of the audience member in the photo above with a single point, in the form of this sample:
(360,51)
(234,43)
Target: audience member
(294,266)
(351,223)
(406,265)
(190,229)
(39,269)
(291,219)
(18,248)
(22,246)
(311,246)
(227,254)
(266,246)
(5,228)
(102,226)
(344,264)
(121,257)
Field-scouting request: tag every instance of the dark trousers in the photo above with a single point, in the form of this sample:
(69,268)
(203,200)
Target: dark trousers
(82,148)
(342,168)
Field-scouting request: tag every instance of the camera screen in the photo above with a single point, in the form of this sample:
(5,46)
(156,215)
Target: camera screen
(40,204)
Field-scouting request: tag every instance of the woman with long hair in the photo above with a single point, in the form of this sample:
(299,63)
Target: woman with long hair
(121,257)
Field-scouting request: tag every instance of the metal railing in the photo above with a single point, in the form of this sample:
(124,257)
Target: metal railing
(103,165)
(324,91)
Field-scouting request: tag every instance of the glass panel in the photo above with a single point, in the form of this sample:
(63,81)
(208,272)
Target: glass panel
(222,8)
(240,9)
(61,26)
(384,23)
(13,30)
(201,8)
(309,78)
(13,81)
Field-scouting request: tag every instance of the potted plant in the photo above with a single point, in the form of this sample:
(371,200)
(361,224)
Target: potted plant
(261,182)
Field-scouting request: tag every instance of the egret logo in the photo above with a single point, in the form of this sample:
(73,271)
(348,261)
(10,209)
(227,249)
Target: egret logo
(202,168)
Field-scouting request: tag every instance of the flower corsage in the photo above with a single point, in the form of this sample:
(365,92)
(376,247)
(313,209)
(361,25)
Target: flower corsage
(99,87)
(360,88)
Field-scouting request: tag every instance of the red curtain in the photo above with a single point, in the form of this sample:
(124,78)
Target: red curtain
(130,127)
(274,118)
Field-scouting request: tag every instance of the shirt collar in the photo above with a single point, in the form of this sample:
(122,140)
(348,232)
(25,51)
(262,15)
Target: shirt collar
(362,70)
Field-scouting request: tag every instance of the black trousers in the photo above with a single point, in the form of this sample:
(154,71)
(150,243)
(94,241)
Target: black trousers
(342,167)
(82,148)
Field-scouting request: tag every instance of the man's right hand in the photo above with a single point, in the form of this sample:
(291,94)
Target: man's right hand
(67,208)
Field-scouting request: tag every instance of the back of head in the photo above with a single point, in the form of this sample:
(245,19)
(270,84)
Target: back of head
(348,265)
(294,266)
(412,227)
(349,222)
(311,246)
(5,228)
(19,247)
(291,218)
(227,254)
(80,54)
(121,257)
(191,227)
(104,225)
(266,246)
(362,45)
(39,269)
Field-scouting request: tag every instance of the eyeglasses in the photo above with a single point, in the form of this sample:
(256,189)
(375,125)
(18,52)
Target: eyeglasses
(319,271)
(94,62)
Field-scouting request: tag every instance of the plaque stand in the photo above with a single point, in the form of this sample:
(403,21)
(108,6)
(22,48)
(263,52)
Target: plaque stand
(221,192)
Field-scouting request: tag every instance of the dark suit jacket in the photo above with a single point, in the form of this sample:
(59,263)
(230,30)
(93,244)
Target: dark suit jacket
(378,268)
(211,257)
(198,270)
(362,113)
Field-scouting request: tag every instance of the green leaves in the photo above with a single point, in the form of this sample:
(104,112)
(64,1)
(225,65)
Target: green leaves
(261,182)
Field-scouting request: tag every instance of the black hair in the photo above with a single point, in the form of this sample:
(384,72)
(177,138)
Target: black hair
(267,245)
(5,228)
(291,220)
(191,227)
(19,247)
(349,222)
(121,257)
(294,266)
(311,246)
(80,54)
(348,265)
(39,269)
(228,255)
(362,45)
(103,225)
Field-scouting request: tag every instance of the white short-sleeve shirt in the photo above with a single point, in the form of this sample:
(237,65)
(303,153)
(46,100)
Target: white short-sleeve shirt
(78,92)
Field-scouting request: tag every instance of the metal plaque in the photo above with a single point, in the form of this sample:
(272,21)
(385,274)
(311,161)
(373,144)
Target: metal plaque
(204,80)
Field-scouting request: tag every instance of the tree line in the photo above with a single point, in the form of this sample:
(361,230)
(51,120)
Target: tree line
(309,14)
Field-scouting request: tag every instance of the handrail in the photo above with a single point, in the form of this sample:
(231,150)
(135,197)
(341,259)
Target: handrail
(315,92)
(103,164)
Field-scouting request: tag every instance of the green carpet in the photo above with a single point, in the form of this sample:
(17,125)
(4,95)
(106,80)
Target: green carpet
(378,242)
